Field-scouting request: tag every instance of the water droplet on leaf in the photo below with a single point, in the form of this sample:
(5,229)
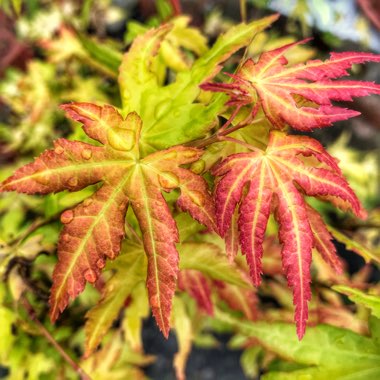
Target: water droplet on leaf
(197,197)
(65,237)
(162,108)
(121,139)
(168,180)
(190,153)
(170,155)
(42,178)
(176,113)
(100,263)
(67,216)
(86,154)
(58,149)
(90,276)
(154,301)
(73,181)
(122,207)
(198,166)
(87,202)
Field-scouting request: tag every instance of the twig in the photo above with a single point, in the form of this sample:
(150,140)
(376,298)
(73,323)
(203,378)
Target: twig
(32,315)
(243,10)
(33,227)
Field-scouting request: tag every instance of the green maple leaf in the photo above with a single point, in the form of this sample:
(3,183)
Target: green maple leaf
(325,352)
(171,114)
(130,270)
(371,301)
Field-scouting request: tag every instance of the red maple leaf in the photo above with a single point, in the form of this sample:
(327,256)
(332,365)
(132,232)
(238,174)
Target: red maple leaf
(94,229)
(299,95)
(197,286)
(239,299)
(276,180)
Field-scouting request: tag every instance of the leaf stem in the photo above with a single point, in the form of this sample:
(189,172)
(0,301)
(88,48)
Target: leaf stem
(236,141)
(32,315)
(133,232)
(223,131)
(176,4)
(33,227)
(241,125)
(243,10)
(224,127)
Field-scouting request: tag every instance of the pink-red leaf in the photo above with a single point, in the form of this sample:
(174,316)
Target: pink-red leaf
(254,213)
(323,240)
(197,286)
(239,299)
(297,241)
(298,95)
(276,180)
(232,238)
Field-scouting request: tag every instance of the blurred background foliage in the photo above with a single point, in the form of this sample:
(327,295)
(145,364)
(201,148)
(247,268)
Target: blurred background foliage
(53,52)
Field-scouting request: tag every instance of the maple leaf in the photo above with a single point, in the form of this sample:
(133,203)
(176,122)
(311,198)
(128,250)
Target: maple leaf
(129,270)
(93,230)
(277,178)
(116,360)
(185,336)
(370,301)
(209,259)
(172,114)
(326,352)
(202,262)
(239,299)
(197,286)
(299,95)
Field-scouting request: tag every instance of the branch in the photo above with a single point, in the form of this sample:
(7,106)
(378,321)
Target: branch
(32,315)
(33,227)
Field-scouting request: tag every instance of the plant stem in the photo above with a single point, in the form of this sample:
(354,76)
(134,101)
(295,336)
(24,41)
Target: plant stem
(33,227)
(219,135)
(236,141)
(229,121)
(133,232)
(240,125)
(32,315)
(176,4)
(243,10)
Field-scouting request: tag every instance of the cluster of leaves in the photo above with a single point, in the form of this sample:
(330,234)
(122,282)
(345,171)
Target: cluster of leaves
(163,194)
